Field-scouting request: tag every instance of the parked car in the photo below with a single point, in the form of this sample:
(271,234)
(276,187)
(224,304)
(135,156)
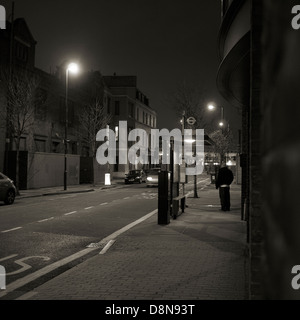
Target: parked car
(7,189)
(152,177)
(135,176)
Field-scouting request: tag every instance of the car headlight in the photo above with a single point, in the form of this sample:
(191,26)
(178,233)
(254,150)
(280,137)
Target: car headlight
(149,178)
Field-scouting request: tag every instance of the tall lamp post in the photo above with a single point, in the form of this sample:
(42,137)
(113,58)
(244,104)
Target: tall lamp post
(212,107)
(73,68)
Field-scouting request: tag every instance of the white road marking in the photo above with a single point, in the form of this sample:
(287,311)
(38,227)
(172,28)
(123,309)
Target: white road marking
(87,208)
(65,197)
(66,214)
(8,257)
(35,275)
(109,244)
(103,204)
(46,219)
(24,265)
(9,230)
(129,226)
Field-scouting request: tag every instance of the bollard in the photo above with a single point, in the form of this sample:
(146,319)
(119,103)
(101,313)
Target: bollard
(2,18)
(107,179)
(163,198)
(2,278)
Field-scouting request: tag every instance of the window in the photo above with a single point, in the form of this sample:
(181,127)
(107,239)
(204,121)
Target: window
(40,108)
(138,114)
(40,145)
(131,109)
(117,108)
(55,146)
(73,145)
(21,52)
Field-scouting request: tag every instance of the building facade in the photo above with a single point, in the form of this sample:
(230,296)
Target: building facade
(48,135)
(258,72)
(129,104)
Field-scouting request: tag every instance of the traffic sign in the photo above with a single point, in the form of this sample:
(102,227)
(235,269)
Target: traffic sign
(191,120)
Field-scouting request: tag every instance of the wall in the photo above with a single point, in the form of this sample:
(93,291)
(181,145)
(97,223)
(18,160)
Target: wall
(47,170)
(255,150)
(100,171)
(281,148)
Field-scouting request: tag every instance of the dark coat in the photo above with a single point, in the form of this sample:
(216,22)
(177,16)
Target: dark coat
(225,176)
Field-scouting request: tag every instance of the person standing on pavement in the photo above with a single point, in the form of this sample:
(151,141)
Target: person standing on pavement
(223,182)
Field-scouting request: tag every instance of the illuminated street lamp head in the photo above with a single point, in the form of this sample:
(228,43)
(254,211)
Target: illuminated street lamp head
(221,124)
(73,67)
(211,107)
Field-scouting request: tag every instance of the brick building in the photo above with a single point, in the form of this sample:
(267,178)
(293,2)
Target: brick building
(42,144)
(128,103)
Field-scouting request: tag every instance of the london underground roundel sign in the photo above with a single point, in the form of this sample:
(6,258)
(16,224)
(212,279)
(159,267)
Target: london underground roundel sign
(191,120)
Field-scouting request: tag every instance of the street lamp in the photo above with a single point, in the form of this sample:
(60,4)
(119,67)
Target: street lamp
(73,68)
(212,107)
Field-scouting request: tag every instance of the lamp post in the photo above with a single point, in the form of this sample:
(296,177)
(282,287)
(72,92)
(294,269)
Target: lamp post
(73,68)
(212,107)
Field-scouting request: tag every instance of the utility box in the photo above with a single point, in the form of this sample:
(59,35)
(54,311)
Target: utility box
(164,182)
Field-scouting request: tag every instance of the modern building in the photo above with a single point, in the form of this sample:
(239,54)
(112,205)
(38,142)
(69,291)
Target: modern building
(259,73)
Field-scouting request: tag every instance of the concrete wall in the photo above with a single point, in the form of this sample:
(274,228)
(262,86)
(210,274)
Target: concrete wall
(100,171)
(281,148)
(47,170)
(255,151)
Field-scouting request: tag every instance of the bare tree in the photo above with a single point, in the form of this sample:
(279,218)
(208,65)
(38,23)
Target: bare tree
(222,142)
(92,118)
(188,100)
(21,87)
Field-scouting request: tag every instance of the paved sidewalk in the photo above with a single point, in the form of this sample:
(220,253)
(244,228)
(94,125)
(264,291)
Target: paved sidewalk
(199,256)
(70,189)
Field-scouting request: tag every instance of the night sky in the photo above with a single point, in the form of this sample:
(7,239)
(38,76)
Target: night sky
(162,42)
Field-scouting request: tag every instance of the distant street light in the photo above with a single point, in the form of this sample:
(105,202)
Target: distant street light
(73,68)
(212,107)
